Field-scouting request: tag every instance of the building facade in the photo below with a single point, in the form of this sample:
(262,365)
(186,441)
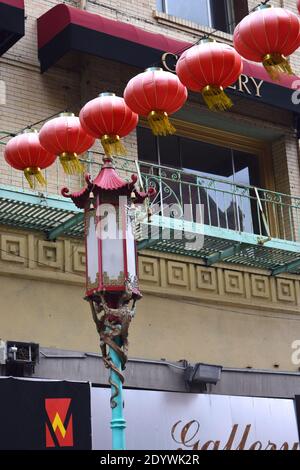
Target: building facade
(235,301)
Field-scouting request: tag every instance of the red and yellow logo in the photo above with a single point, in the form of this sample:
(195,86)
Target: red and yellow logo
(59,432)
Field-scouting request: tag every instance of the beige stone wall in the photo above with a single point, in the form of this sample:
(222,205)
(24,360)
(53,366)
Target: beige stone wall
(225,315)
(171,328)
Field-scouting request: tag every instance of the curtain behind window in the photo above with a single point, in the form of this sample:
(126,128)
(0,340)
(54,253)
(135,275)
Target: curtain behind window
(219,14)
(240,10)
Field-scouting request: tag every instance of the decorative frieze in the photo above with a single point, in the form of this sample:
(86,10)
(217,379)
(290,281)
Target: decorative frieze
(50,254)
(78,258)
(206,279)
(234,283)
(29,255)
(13,248)
(260,287)
(286,290)
(190,278)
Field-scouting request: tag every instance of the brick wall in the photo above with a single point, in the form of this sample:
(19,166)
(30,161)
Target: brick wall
(32,96)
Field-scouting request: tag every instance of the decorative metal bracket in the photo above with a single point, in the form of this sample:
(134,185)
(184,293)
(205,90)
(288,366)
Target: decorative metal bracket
(113,326)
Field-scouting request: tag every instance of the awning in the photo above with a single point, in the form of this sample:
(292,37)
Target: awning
(56,216)
(12,23)
(63,29)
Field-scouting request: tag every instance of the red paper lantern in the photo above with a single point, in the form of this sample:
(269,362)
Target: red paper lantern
(156,94)
(109,118)
(269,35)
(298,5)
(210,67)
(24,152)
(64,136)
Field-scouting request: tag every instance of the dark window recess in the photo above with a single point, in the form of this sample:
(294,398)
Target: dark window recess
(221,17)
(241,10)
(169,151)
(147,148)
(211,175)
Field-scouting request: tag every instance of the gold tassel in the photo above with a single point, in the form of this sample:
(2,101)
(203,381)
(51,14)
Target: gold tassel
(33,176)
(70,163)
(216,99)
(276,64)
(112,145)
(160,123)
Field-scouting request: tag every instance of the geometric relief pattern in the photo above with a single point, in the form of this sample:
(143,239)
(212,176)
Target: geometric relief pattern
(286,290)
(78,255)
(50,254)
(210,283)
(148,269)
(170,273)
(13,248)
(206,278)
(177,274)
(260,287)
(234,283)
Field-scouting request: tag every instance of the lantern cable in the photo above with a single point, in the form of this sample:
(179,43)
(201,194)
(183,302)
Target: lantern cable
(6,134)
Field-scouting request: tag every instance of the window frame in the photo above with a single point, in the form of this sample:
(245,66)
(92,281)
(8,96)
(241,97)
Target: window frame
(230,140)
(230,15)
(165,10)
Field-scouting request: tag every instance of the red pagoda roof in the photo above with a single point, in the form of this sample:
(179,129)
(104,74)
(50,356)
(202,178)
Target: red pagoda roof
(107,181)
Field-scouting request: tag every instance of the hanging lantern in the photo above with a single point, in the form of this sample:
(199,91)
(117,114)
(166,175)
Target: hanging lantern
(269,35)
(109,118)
(210,67)
(156,94)
(24,152)
(64,136)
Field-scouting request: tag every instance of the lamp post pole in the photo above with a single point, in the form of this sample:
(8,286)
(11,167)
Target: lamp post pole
(111,273)
(118,423)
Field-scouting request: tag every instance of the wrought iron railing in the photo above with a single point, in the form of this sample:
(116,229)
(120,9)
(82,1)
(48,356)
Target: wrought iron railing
(219,202)
(193,196)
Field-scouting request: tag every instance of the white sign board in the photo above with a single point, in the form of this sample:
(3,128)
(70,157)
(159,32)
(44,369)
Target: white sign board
(171,421)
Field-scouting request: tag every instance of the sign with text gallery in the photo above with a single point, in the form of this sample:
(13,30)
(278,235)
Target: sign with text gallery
(61,415)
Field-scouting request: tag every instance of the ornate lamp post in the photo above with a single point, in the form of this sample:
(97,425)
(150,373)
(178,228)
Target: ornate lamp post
(111,272)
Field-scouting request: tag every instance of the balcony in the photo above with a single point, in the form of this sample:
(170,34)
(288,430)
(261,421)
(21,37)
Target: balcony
(192,215)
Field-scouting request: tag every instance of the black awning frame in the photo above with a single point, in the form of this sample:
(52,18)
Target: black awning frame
(12,26)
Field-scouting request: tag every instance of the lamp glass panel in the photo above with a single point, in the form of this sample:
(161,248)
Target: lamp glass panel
(92,249)
(112,244)
(131,252)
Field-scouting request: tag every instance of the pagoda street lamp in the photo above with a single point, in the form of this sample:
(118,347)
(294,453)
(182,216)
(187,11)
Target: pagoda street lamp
(111,272)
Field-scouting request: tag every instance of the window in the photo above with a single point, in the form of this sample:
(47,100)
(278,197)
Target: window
(210,174)
(222,15)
